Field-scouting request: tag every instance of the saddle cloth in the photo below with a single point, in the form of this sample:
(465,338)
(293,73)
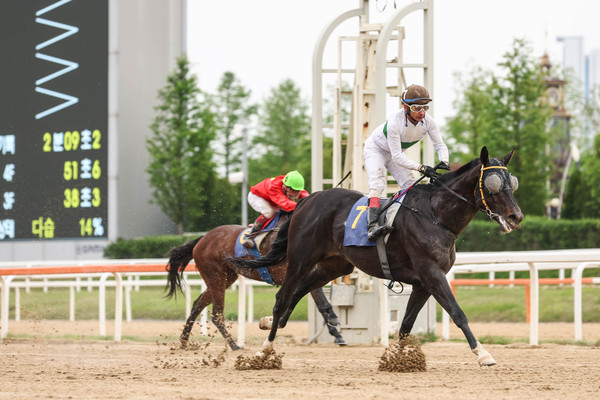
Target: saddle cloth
(241,251)
(355,233)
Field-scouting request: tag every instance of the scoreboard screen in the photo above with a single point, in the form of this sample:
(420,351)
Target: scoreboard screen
(53,119)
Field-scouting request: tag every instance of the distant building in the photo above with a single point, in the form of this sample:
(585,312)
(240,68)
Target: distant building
(586,69)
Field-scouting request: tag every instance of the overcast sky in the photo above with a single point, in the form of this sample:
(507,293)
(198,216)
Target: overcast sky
(267,41)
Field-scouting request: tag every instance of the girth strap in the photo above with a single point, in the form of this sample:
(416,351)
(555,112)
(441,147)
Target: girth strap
(382,253)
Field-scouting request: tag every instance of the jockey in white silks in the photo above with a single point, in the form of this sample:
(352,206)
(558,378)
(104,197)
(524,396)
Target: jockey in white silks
(384,151)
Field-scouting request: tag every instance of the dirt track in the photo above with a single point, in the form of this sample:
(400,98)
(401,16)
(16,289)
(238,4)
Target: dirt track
(89,369)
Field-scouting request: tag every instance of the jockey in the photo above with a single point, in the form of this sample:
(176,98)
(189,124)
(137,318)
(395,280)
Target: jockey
(270,196)
(384,150)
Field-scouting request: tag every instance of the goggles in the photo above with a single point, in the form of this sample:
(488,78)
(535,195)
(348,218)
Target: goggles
(417,107)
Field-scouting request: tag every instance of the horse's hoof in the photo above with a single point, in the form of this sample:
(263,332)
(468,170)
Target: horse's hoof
(484,358)
(265,323)
(235,347)
(266,350)
(486,361)
(340,341)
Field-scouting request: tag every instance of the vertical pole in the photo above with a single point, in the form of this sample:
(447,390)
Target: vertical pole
(4,298)
(71,303)
(118,305)
(241,311)
(383,312)
(535,304)
(244,176)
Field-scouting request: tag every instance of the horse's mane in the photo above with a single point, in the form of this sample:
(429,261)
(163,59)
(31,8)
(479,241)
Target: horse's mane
(453,174)
(448,176)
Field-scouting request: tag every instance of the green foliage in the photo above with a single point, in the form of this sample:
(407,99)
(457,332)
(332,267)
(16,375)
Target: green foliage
(536,233)
(503,112)
(148,247)
(232,106)
(185,183)
(582,199)
(181,169)
(280,145)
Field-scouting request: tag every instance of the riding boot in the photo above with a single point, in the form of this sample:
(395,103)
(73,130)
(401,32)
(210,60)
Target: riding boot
(375,230)
(256,228)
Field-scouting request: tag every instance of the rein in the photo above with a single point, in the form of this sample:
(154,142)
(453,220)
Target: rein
(486,210)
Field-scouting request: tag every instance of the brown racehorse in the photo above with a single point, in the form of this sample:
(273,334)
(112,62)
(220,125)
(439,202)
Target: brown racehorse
(420,249)
(210,252)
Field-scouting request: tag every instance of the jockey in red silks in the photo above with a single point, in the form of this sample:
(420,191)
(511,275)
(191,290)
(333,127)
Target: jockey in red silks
(270,196)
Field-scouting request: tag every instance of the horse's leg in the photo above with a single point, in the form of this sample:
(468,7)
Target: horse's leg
(439,288)
(331,319)
(201,302)
(218,302)
(283,298)
(416,301)
(319,276)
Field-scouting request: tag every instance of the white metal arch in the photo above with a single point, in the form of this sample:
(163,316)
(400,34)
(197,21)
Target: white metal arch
(379,95)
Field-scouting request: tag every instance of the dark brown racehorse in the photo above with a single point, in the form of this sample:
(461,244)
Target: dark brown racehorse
(209,253)
(420,249)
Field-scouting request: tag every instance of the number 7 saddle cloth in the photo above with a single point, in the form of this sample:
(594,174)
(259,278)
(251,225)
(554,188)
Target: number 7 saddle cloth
(355,233)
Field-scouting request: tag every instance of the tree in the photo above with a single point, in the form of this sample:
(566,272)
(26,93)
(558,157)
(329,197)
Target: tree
(509,114)
(232,104)
(181,168)
(284,128)
(469,127)
(583,190)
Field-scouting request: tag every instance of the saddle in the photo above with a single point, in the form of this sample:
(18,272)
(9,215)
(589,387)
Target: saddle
(355,233)
(240,250)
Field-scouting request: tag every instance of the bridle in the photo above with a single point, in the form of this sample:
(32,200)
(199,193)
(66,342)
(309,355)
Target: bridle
(479,195)
(481,191)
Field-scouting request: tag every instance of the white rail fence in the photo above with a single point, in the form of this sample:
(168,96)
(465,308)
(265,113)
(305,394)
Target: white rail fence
(126,276)
(533,261)
(82,275)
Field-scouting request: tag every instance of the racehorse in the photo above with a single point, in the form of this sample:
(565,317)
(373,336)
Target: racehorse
(420,249)
(209,253)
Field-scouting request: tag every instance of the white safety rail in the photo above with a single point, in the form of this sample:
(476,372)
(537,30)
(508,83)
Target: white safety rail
(125,274)
(533,261)
(104,274)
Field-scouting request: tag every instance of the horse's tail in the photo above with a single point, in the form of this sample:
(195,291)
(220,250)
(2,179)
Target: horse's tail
(275,256)
(179,258)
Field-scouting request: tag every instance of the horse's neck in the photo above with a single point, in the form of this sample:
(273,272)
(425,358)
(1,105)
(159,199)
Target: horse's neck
(452,211)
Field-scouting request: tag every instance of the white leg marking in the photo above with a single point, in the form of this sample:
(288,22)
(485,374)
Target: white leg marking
(484,359)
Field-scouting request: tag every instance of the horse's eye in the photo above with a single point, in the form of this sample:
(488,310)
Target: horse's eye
(493,183)
(514,182)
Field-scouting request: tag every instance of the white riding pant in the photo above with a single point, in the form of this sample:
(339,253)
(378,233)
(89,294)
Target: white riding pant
(261,205)
(377,163)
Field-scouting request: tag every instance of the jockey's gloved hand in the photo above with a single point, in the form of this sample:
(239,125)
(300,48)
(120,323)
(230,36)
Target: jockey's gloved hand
(428,171)
(443,165)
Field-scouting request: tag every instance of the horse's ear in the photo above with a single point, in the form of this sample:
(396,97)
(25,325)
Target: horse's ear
(484,157)
(508,157)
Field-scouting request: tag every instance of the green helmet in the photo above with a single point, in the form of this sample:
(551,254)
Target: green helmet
(294,180)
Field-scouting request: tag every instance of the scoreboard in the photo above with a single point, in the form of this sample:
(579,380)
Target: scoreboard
(53,119)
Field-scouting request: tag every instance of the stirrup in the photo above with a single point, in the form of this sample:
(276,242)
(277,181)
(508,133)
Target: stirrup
(378,230)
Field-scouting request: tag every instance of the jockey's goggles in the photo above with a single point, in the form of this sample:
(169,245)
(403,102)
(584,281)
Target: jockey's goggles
(417,107)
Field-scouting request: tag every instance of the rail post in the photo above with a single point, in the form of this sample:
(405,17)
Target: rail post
(118,305)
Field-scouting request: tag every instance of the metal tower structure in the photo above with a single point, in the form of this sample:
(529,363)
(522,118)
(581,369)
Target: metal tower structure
(376,81)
